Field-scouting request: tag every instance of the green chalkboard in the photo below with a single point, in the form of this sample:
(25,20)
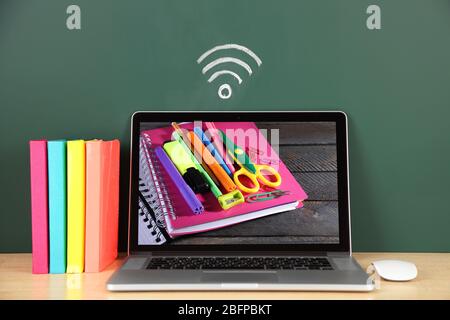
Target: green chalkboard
(393,82)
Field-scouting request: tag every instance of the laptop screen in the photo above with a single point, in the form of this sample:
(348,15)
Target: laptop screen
(232,183)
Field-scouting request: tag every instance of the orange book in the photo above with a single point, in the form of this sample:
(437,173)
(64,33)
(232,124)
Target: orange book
(102,203)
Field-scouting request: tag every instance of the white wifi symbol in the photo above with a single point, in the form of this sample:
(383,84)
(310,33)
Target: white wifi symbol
(225,90)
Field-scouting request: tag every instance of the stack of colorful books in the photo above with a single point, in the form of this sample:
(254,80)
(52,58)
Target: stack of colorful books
(74,204)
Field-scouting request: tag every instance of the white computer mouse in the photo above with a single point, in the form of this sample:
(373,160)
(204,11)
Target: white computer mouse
(395,270)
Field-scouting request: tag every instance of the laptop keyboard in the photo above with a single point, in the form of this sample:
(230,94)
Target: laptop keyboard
(239,263)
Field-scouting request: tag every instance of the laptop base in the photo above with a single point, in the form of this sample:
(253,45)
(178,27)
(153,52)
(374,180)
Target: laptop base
(346,276)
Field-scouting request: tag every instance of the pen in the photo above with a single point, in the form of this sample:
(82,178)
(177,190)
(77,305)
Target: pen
(210,146)
(226,201)
(218,143)
(187,143)
(214,189)
(211,162)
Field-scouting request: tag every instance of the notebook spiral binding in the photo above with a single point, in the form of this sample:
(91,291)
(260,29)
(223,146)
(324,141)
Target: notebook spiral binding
(155,232)
(153,192)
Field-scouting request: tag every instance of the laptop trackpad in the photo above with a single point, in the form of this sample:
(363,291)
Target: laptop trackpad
(241,277)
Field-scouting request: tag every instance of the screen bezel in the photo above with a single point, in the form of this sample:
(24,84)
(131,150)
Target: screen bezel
(338,117)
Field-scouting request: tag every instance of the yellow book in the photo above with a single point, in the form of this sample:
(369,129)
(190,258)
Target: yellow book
(76,205)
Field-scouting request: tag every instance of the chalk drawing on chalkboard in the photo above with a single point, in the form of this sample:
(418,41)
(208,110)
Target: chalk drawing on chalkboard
(225,91)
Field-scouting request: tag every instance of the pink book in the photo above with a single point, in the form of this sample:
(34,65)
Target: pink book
(185,222)
(39,205)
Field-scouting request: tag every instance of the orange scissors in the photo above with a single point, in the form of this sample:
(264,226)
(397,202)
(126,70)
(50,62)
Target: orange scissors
(254,172)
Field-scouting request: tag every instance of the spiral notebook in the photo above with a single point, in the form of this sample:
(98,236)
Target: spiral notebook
(151,210)
(171,216)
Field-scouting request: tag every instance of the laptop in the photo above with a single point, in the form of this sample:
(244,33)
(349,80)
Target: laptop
(239,201)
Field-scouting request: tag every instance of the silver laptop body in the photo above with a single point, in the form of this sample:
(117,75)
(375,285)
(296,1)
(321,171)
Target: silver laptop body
(286,248)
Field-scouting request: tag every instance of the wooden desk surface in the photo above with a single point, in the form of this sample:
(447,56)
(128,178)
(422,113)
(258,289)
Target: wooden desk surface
(17,282)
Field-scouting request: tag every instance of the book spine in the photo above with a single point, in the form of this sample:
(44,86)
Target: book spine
(109,219)
(57,205)
(75,205)
(39,206)
(93,205)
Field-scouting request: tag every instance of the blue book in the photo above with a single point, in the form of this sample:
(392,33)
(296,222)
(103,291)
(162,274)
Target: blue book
(56,152)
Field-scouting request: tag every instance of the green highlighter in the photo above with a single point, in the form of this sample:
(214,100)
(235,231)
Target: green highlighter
(186,167)
(214,189)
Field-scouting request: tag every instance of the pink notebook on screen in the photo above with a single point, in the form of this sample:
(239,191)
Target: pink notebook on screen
(182,220)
